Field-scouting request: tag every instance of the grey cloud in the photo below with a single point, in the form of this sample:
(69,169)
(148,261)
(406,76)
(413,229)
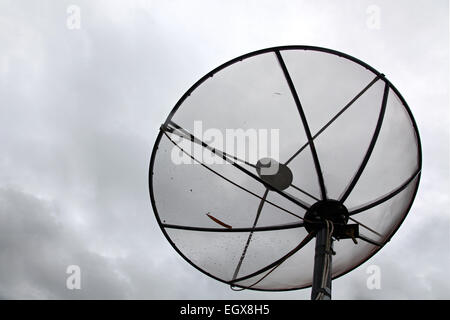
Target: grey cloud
(37,248)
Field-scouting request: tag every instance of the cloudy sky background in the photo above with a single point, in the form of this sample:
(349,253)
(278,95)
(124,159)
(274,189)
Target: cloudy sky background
(80,110)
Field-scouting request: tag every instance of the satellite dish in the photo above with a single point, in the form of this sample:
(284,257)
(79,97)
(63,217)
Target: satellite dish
(345,172)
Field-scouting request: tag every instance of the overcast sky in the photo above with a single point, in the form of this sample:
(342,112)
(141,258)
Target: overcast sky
(80,110)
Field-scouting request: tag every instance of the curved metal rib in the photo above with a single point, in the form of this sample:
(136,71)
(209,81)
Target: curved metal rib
(256,229)
(336,116)
(304,192)
(386,197)
(361,168)
(244,252)
(276,263)
(305,124)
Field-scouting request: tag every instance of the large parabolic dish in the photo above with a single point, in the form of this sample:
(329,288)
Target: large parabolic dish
(347,143)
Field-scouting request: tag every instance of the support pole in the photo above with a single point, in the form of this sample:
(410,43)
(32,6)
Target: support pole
(321,286)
